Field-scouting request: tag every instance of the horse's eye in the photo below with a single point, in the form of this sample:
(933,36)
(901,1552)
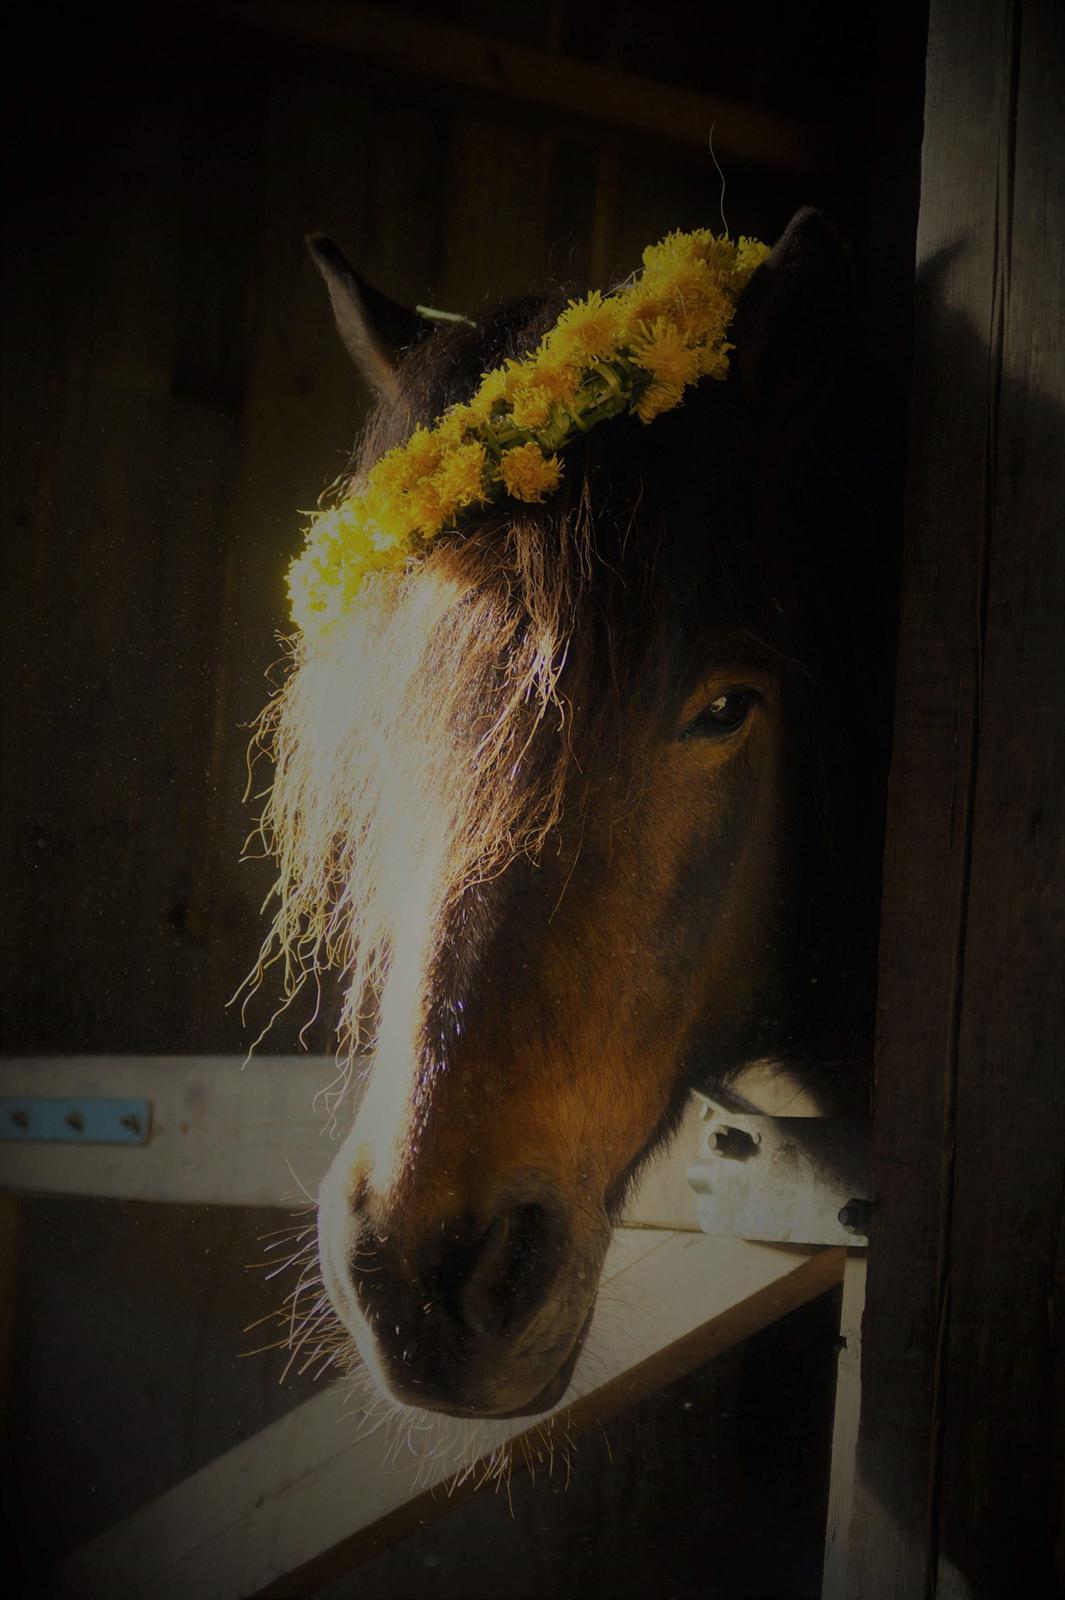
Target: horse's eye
(723,715)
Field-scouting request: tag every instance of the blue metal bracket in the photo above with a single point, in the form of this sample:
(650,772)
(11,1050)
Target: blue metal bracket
(90,1121)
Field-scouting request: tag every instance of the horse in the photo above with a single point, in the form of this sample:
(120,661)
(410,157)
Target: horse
(583,819)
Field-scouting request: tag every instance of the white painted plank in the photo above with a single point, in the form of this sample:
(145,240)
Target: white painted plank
(222,1133)
(228,1134)
(309,1494)
(845,1428)
(663,1197)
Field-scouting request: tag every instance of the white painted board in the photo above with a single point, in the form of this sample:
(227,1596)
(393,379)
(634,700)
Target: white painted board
(259,1516)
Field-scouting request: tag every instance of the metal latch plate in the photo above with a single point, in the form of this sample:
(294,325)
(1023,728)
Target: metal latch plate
(89,1121)
(789,1180)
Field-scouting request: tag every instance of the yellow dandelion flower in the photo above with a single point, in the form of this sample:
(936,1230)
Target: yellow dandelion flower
(674,250)
(392,472)
(422,450)
(461,475)
(386,549)
(647,341)
(334,538)
(308,598)
(531,406)
(685,284)
(719,255)
(586,331)
(713,360)
(331,568)
(455,424)
(556,376)
(495,386)
(663,351)
(357,541)
(428,508)
(387,518)
(682,264)
(707,320)
(324,532)
(658,398)
(750,253)
(706,245)
(637,305)
(528,474)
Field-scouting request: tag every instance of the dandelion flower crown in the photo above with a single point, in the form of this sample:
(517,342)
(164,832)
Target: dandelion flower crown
(634,349)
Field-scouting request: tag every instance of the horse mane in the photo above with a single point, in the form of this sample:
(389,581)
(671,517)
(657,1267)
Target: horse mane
(440,704)
(452,704)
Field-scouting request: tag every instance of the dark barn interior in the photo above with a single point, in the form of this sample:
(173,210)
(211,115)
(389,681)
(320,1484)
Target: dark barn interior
(180,396)
(174,399)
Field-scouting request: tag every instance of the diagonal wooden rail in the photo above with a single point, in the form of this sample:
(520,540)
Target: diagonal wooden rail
(559,86)
(317,1492)
(312,1496)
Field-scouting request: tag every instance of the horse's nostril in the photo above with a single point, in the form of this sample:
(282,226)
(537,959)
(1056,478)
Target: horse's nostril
(513,1269)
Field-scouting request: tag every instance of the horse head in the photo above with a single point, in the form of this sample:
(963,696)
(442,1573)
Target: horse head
(570,814)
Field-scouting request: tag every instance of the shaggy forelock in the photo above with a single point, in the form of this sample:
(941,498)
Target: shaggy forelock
(446,728)
(430,742)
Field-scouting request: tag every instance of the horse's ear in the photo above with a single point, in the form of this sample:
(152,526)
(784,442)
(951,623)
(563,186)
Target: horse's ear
(795,319)
(375,330)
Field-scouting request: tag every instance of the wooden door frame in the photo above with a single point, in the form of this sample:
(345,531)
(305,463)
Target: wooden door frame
(959,1460)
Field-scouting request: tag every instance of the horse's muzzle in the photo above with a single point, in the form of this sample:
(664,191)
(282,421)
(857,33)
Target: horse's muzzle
(466,1313)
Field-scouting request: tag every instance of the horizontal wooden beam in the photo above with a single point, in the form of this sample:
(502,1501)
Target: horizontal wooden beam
(560,85)
(225,1133)
(314,1495)
(221,1133)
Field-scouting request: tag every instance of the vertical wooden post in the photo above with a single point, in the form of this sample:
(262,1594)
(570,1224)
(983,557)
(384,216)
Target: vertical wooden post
(10,1208)
(845,1428)
(960,1447)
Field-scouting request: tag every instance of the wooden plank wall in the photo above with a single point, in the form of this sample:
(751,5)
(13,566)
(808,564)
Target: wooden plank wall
(960,1454)
(174,396)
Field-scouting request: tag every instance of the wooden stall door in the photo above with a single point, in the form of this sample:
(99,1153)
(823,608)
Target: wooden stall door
(960,1450)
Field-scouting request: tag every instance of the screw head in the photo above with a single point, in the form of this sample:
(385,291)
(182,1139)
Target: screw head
(855,1216)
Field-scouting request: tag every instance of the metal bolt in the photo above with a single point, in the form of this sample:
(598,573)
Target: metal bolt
(855,1216)
(133,1123)
(20,1118)
(75,1120)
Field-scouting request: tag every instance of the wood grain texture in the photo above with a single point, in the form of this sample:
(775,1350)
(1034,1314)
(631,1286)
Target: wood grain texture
(307,1498)
(221,1133)
(959,1470)
(559,87)
(119,484)
(845,1428)
(174,398)
(173,401)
